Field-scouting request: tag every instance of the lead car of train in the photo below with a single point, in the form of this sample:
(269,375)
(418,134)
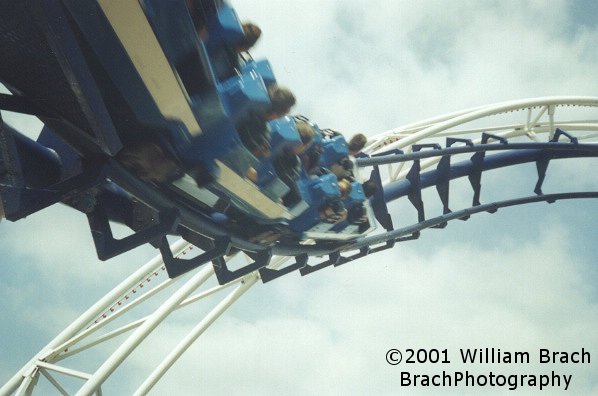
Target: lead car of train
(161,88)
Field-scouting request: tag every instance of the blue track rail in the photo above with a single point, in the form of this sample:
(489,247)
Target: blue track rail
(511,154)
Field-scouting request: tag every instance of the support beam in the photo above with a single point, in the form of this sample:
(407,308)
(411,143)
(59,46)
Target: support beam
(92,313)
(125,349)
(198,330)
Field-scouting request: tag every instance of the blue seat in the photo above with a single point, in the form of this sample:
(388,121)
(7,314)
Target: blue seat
(224,28)
(333,150)
(316,191)
(355,197)
(284,134)
(263,68)
(318,139)
(243,94)
(225,31)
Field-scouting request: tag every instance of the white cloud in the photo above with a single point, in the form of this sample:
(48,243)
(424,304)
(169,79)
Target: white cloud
(415,60)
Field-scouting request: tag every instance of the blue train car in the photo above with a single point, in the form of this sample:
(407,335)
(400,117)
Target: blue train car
(163,88)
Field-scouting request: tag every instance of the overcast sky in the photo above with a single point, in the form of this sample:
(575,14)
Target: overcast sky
(520,279)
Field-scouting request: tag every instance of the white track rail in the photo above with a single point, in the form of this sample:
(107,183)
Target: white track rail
(533,119)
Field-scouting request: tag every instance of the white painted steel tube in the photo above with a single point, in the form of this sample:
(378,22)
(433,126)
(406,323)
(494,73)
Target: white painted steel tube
(59,352)
(198,330)
(143,331)
(97,309)
(480,112)
(247,283)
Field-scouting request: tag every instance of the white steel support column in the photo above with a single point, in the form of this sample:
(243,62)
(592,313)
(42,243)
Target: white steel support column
(144,330)
(92,313)
(246,283)
(198,330)
(438,125)
(551,121)
(543,122)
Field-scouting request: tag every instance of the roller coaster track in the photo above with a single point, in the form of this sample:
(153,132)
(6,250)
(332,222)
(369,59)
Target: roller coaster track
(407,160)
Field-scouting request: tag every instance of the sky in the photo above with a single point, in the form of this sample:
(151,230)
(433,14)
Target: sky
(521,279)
